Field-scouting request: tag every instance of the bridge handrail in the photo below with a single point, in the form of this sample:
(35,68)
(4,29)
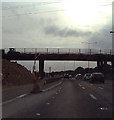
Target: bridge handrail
(60,51)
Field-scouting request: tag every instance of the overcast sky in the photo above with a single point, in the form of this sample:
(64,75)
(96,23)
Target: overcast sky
(57,24)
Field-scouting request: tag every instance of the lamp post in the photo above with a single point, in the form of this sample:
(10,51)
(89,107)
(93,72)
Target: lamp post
(112,50)
(64,66)
(89,47)
(111,31)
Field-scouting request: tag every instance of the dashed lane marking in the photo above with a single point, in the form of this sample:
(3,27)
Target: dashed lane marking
(101,88)
(48,103)
(83,87)
(104,108)
(80,85)
(92,96)
(53,97)
(38,114)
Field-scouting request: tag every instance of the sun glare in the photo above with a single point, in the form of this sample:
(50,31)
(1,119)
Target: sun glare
(82,12)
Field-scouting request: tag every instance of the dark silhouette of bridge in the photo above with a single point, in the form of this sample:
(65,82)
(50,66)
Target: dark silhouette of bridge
(100,56)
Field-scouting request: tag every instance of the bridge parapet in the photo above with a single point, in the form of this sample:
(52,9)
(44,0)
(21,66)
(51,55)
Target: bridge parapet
(61,51)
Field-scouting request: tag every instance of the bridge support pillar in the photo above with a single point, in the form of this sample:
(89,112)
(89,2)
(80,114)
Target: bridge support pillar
(101,63)
(41,68)
(105,63)
(98,63)
(112,62)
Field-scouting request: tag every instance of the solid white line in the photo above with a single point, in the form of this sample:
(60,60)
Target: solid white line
(8,101)
(92,96)
(21,96)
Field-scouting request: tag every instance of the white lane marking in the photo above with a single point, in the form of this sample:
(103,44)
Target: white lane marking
(80,85)
(47,103)
(105,108)
(8,101)
(51,87)
(92,96)
(53,97)
(21,96)
(83,87)
(38,114)
(101,88)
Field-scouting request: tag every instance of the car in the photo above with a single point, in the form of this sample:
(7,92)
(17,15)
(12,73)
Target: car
(61,76)
(66,76)
(1,77)
(87,76)
(12,51)
(79,76)
(70,76)
(97,77)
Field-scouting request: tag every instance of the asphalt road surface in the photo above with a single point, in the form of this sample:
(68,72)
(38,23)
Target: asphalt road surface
(71,99)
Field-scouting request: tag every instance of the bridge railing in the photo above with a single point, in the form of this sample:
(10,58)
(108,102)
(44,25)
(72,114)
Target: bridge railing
(61,51)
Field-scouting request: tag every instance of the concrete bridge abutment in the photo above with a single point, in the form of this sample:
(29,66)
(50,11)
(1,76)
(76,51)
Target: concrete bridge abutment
(101,63)
(41,68)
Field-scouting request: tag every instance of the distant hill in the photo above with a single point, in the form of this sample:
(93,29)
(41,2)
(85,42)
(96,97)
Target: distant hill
(15,74)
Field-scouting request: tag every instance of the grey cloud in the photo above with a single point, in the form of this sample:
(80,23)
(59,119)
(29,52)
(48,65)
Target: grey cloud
(103,37)
(65,32)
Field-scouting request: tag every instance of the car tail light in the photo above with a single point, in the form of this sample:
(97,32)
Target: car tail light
(92,76)
(103,76)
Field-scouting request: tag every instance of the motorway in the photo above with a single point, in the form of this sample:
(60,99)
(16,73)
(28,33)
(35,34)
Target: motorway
(71,99)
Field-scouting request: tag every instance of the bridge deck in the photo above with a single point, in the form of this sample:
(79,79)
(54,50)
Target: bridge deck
(77,57)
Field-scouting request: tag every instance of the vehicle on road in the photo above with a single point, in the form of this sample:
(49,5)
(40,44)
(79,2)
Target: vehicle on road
(66,76)
(87,76)
(79,76)
(61,76)
(70,76)
(96,77)
(13,51)
(1,77)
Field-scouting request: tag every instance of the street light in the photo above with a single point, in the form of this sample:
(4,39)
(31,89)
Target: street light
(111,31)
(89,44)
(112,49)
(64,66)
(89,47)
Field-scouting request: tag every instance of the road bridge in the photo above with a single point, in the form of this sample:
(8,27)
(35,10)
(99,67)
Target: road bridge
(100,56)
